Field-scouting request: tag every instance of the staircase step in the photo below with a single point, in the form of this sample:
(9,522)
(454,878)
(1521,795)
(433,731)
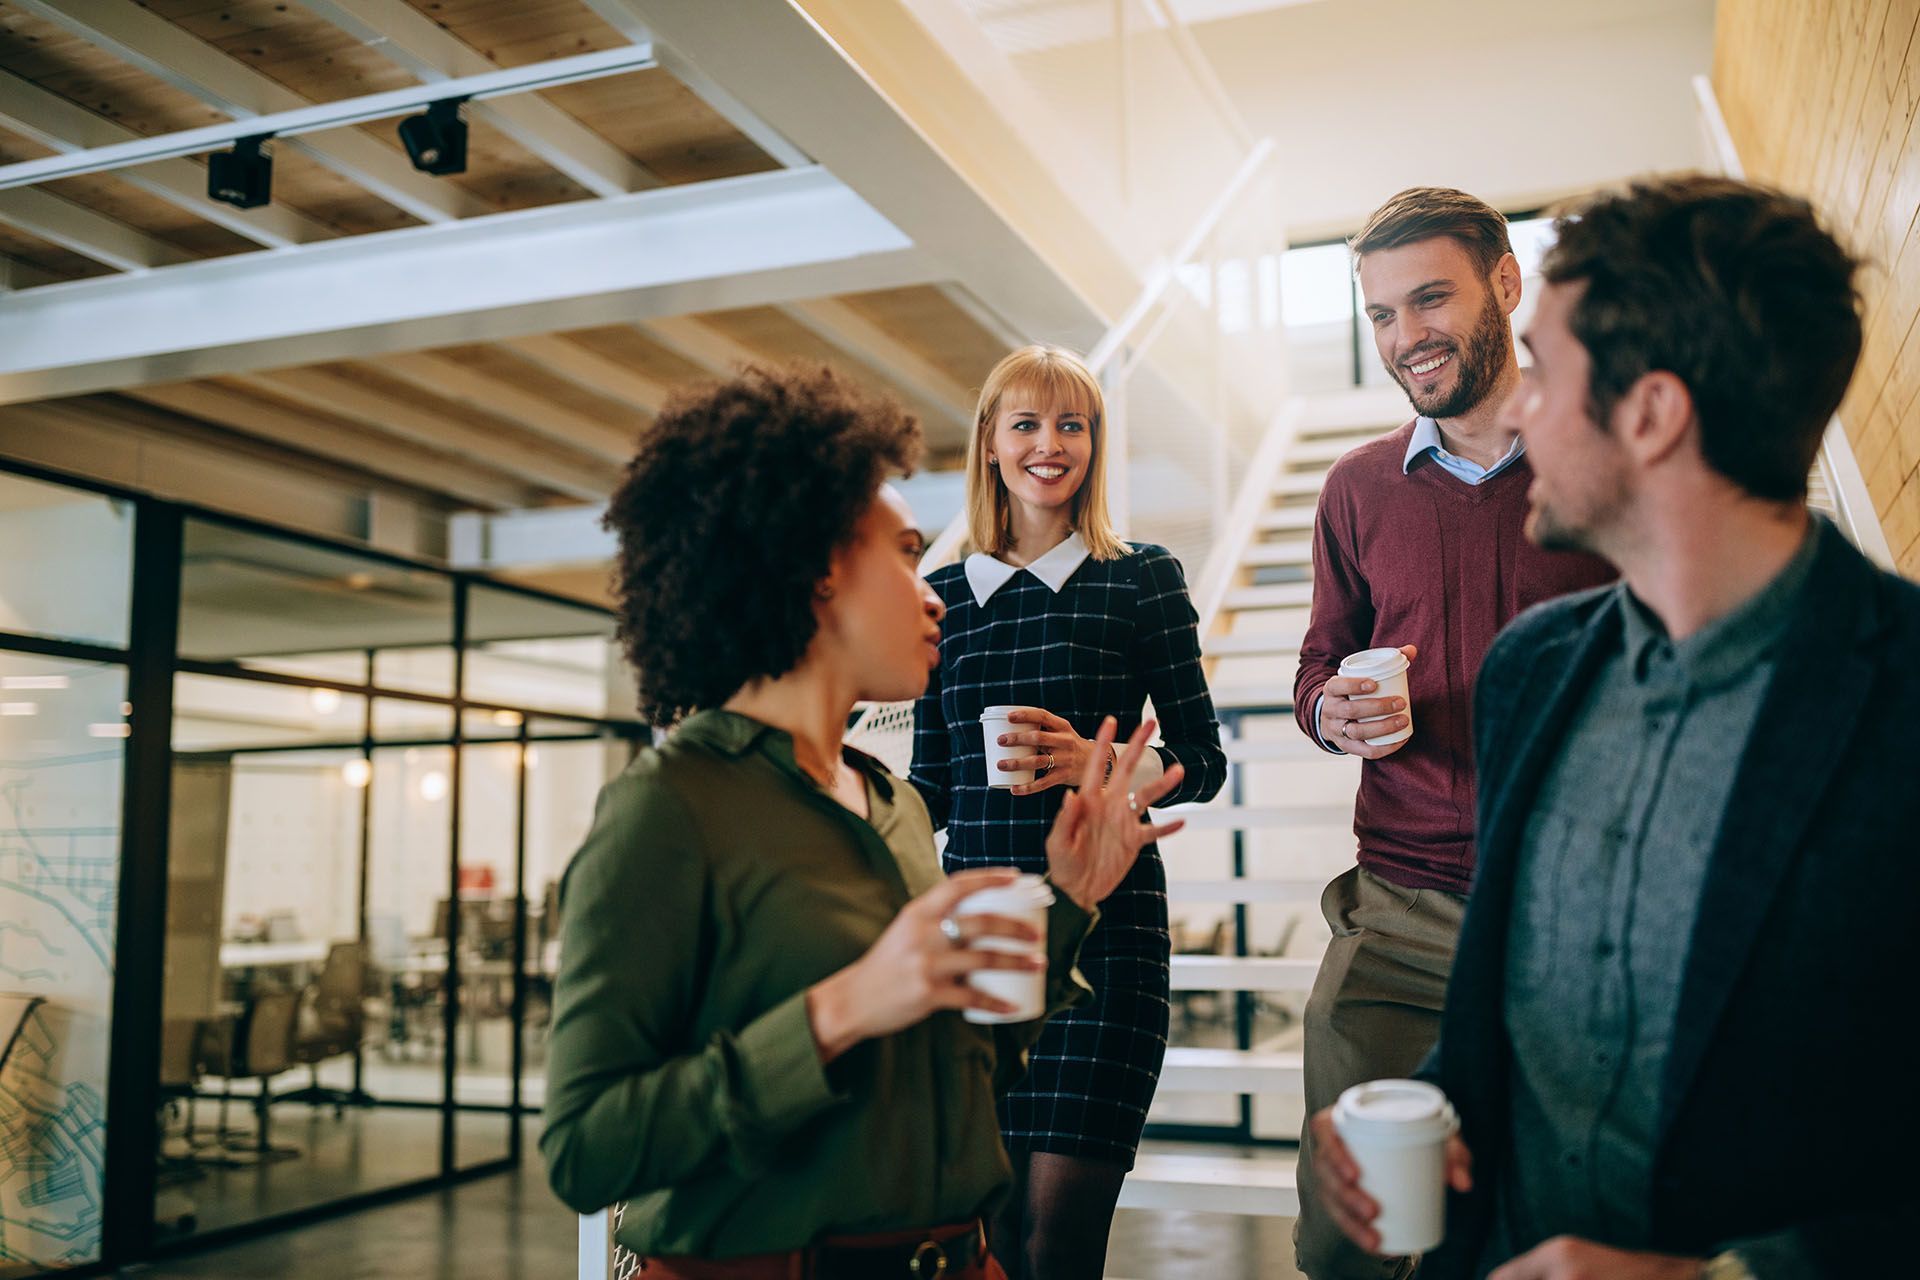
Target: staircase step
(1230,1071)
(1260,1186)
(1245,889)
(1244,973)
(1284,552)
(1276,595)
(1294,747)
(1378,409)
(1326,450)
(1253,697)
(1286,519)
(1297,484)
(1244,643)
(1249,817)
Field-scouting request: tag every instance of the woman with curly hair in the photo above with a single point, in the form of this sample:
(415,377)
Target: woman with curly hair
(1055,616)
(758,1038)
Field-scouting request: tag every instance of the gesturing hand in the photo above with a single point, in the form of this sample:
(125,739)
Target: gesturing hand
(1055,748)
(914,969)
(1098,833)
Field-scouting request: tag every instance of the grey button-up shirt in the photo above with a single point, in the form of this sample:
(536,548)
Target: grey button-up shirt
(1608,885)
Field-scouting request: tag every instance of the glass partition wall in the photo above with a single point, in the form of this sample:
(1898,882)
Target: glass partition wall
(354,782)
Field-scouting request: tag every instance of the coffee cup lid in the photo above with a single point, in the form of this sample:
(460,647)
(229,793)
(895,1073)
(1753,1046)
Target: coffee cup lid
(1374,664)
(999,713)
(1411,1110)
(1028,893)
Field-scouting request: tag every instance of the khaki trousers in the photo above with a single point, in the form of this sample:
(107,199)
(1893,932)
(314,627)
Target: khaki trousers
(1374,1013)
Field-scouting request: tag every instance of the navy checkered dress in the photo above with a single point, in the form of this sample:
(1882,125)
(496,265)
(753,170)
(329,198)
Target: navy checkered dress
(1118,632)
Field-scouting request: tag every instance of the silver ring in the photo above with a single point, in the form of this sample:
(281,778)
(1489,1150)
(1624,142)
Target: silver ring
(950,930)
(1049,763)
(1133,804)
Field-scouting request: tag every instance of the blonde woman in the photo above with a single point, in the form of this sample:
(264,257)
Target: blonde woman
(1055,614)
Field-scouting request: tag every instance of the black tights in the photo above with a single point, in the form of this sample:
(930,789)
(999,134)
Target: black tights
(1055,1222)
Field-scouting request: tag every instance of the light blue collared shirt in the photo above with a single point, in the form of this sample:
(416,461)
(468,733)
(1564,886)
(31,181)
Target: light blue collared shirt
(1426,438)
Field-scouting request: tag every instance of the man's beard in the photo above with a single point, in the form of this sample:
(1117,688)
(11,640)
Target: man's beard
(1488,349)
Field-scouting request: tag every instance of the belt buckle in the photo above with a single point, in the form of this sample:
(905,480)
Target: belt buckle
(918,1266)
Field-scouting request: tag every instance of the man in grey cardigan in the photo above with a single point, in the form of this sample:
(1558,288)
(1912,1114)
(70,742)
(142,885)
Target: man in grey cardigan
(1693,788)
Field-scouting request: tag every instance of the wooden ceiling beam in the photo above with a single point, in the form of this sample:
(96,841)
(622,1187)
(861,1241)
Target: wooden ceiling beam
(449,379)
(590,369)
(701,343)
(338,442)
(76,227)
(345,396)
(839,325)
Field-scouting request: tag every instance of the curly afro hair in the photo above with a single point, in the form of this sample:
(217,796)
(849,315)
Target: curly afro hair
(728,518)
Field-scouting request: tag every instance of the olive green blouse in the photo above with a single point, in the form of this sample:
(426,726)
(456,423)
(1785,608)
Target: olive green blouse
(718,883)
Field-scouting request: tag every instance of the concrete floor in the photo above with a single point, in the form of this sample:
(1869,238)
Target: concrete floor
(509,1227)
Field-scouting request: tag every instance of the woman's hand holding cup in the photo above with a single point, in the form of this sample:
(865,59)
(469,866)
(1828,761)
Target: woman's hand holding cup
(1052,747)
(919,966)
(1098,833)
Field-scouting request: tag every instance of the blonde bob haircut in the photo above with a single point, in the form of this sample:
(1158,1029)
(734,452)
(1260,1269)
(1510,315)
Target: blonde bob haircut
(1053,379)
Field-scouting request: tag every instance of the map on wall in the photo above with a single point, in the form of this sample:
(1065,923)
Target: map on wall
(59,881)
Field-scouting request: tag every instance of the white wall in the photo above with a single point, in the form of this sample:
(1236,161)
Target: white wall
(1517,101)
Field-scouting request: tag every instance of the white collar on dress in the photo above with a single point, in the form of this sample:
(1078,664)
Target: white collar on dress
(986,575)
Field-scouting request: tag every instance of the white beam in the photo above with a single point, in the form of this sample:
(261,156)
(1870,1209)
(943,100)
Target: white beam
(430,52)
(158,47)
(530,540)
(52,121)
(758,240)
(76,227)
(838,324)
(449,379)
(344,396)
(375,451)
(774,58)
(325,117)
(595,372)
(624,16)
(984,316)
(15,274)
(702,344)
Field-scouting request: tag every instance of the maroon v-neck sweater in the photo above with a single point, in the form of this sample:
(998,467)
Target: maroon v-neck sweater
(1422,558)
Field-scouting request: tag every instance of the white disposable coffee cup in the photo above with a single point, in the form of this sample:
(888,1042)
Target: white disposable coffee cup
(1397,1131)
(1025,899)
(1387,668)
(993,723)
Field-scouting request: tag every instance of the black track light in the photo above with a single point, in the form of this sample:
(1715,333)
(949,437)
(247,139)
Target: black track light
(436,141)
(242,177)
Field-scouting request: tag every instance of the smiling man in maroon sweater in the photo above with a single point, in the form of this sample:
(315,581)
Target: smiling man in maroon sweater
(1418,545)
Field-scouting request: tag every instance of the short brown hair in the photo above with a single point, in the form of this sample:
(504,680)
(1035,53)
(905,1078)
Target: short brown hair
(728,518)
(1421,213)
(1734,289)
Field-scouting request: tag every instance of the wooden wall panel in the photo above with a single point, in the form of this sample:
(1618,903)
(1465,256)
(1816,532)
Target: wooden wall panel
(1821,97)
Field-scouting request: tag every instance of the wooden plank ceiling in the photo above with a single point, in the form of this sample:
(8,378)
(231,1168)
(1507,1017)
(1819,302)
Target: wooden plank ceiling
(542,419)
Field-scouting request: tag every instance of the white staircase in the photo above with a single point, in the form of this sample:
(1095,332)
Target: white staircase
(1259,854)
